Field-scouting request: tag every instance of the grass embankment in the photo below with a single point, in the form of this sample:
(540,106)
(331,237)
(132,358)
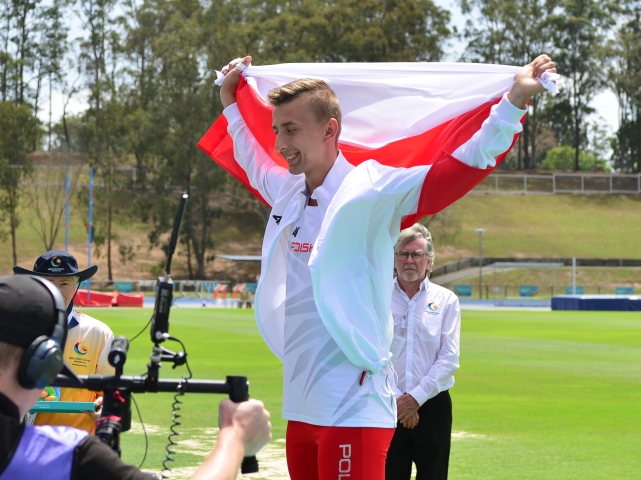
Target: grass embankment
(233,233)
(590,226)
(540,395)
(598,226)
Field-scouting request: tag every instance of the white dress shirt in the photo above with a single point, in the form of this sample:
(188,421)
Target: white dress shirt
(430,323)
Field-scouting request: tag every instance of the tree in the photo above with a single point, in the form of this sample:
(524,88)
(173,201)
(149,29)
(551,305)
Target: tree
(186,98)
(48,199)
(171,107)
(562,158)
(50,52)
(353,31)
(103,131)
(19,129)
(624,78)
(6,59)
(512,33)
(579,38)
(23,14)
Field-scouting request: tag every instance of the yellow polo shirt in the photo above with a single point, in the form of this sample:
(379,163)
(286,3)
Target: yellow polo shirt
(88,344)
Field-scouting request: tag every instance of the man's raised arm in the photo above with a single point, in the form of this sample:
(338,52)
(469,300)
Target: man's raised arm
(263,173)
(232,79)
(497,132)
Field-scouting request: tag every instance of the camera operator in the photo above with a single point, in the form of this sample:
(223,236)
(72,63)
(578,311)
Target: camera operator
(30,313)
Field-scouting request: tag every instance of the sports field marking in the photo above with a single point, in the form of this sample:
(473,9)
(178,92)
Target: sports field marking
(273,465)
(537,392)
(136,429)
(465,435)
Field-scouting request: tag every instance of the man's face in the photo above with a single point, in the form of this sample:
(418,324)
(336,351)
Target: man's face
(66,285)
(299,135)
(412,269)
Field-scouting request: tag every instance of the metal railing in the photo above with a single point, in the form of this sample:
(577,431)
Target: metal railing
(472,262)
(555,183)
(492,291)
(517,184)
(197,287)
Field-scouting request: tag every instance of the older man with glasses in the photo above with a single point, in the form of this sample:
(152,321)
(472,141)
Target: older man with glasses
(425,349)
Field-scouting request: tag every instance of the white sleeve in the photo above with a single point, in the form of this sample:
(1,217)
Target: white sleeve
(263,173)
(494,137)
(447,361)
(401,186)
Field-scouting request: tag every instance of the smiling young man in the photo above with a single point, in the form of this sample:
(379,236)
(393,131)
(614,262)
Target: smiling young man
(323,301)
(88,342)
(426,346)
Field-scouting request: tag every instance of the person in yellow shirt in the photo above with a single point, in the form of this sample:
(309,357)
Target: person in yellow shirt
(88,340)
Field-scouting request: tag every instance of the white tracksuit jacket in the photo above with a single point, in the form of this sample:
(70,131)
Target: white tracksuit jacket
(351,263)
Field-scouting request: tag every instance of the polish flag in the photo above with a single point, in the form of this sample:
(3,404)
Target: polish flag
(399,114)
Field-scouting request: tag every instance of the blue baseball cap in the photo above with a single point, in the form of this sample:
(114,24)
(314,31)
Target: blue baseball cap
(56,263)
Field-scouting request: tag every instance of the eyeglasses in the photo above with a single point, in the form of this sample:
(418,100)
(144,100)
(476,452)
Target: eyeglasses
(416,256)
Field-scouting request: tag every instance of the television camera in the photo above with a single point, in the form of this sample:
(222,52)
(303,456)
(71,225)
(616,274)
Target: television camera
(116,411)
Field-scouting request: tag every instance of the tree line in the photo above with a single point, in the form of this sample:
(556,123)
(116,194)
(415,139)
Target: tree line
(145,69)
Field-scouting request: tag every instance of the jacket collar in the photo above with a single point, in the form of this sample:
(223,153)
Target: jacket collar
(71,320)
(424,284)
(333,180)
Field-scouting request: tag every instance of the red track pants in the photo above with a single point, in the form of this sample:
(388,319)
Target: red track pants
(336,453)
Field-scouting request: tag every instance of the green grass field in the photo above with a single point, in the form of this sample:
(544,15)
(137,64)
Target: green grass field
(540,395)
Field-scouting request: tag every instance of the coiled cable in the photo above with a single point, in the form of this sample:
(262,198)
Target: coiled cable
(175,419)
(175,416)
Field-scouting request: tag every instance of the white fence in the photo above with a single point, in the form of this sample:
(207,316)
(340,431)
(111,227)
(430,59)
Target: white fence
(588,183)
(518,184)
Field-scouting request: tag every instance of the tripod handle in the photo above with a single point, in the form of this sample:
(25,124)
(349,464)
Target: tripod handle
(239,392)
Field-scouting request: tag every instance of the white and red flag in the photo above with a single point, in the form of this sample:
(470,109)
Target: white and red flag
(399,114)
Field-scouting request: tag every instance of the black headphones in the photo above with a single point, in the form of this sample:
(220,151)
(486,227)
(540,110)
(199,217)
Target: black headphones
(42,361)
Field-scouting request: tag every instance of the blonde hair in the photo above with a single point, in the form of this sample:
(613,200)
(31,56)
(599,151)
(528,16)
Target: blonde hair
(320,96)
(415,232)
(9,355)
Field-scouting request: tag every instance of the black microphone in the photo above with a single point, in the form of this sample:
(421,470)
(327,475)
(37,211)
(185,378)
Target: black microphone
(118,353)
(165,285)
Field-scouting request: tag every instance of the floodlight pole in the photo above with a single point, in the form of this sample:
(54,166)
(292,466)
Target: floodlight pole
(480,231)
